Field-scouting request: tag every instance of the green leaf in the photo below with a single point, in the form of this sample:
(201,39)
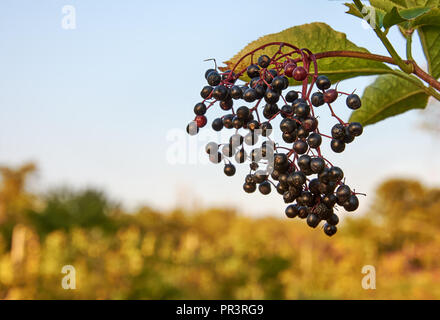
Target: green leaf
(430,39)
(432,17)
(389,95)
(317,37)
(392,18)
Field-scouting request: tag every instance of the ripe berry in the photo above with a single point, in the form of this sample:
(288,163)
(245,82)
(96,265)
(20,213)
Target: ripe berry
(353,101)
(260,176)
(348,138)
(271,96)
(278,83)
(299,74)
(310,124)
(317,165)
(343,193)
(355,128)
(213,78)
(300,147)
(330,229)
(287,125)
(264,187)
(229,169)
(302,110)
(253,71)
(313,220)
(322,211)
(337,145)
(335,174)
(250,95)
(296,179)
(314,140)
(289,68)
(330,95)
(249,187)
(236,92)
(208,72)
(206,91)
(323,83)
(253,125)
(291,211)
(237,123)
(192,128)
(338,131)
(291,96)
(227,121)
(289,137)
(243,113)
(220,93)
(317,99)
(303,212)
(217,124)
(263,61)
(306,198)
(226,104)
(253,166)
(333,219)
(329,200)
(269,75)
(352,203)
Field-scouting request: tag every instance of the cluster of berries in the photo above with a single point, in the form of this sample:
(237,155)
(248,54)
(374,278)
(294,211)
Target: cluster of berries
(290,169)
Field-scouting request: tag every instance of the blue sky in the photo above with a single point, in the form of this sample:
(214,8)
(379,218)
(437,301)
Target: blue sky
(93,106)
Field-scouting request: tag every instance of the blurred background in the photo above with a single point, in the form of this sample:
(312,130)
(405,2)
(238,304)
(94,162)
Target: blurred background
(90,120)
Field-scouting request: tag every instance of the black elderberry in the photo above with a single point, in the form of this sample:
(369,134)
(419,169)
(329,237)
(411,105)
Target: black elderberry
(278,83)
(217,124)
(208,72)
(296,179)
(313,220)
(229,169)
(214,78)
(253,71)
(270,75)
(300,147)
(333,219)
(291,211)
(220,93)
(253,125)
(355,128)
(260,176)
(253,166)
(317,165)
(302,110)
(264,187)
(348,137)
(303,212)
(289,137)
(337,145)
(282,189)
(249,187)
(314,140)
(250,95)
(329,200)
(343,193)
(264,61)
(322,211)
(338,131)
(330,229)
(305,199)
(287,125)
(352,203)
(271,96)
(353,101)
(314,186)
(317,99)
(286,110)
(335,174)
(227,121)
(323,83)
(206,91)
(291,96)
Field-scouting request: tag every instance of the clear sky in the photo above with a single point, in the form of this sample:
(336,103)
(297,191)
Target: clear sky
(94,106)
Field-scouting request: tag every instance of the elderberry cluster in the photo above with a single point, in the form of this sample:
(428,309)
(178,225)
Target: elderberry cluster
(307,181)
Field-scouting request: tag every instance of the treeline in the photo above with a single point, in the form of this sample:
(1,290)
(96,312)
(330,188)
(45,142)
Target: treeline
(215,253)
